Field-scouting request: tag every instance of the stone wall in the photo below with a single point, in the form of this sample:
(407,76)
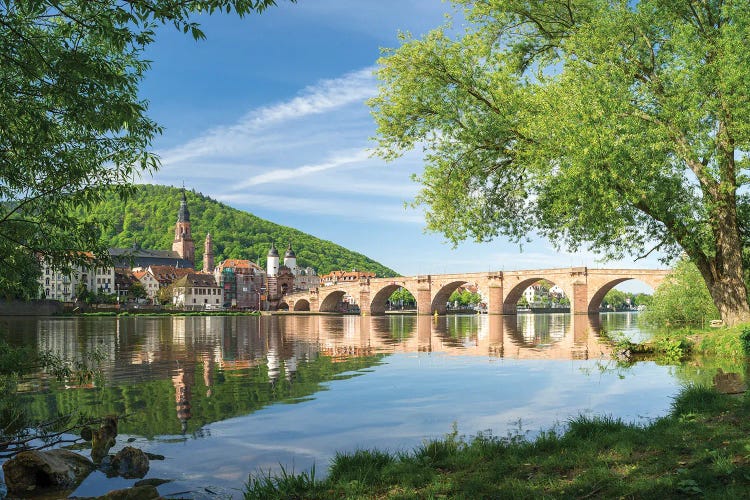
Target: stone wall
(32,308)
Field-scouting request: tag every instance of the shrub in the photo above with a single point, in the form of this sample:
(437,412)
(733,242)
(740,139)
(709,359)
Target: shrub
(745,340)
(683,299)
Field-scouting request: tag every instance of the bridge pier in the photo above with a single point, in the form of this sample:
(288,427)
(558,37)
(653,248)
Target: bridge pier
(495,299)
(424,295)
(364,302)
(579,301)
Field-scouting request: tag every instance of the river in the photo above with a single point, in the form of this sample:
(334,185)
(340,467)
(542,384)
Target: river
(221,397)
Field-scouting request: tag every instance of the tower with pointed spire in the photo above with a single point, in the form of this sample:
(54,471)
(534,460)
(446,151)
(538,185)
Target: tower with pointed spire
(272,261)
(183,239)
(208,255)
(290,259)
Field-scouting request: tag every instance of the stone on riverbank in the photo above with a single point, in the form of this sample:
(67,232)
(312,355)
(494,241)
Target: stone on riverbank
(35,471)
(147,492)
(130,463)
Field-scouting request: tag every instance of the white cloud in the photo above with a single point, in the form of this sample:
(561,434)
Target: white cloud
(323,97)
(279,175)
(345,208)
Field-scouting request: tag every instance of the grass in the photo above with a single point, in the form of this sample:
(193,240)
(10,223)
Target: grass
(701,449)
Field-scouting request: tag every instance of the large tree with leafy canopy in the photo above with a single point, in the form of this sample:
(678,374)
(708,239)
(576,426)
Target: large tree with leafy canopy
(618,125)
(73,128)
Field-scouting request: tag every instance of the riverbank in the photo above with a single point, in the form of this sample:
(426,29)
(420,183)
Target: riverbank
(701,448)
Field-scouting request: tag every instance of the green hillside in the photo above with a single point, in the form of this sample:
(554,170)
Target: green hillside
(149,216)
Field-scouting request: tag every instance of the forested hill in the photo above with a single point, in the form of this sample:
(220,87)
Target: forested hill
(149,216)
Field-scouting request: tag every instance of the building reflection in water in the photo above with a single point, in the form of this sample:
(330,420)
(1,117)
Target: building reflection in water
(274,349)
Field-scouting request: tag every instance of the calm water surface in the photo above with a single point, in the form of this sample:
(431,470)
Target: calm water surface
(220,397)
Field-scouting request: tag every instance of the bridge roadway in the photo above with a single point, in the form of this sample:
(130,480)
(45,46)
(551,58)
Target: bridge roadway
(502,289)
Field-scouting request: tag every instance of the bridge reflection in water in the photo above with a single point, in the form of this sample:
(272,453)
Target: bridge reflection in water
(550,336)
(176,366)
(205,390)
(129,345)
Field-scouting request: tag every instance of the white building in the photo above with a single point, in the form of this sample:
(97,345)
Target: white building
(62,286)
(197,291)
(149,282)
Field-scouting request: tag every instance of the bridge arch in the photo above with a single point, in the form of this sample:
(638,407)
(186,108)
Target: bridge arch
(283,306)
(302,305)
(597,297)
(330,302)
(378,301)
(443,294)
(514,294)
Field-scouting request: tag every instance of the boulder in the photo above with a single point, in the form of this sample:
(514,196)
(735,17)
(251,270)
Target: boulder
(130,463)
(146,492)
(35,471)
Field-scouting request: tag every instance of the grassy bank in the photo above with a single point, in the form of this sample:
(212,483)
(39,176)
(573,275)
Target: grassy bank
(679,343)
(701,448)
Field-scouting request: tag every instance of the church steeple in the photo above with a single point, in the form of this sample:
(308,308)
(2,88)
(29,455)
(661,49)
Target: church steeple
(183,239)
(184,214)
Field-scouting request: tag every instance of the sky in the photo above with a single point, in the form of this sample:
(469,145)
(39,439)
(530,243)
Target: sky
(268,115)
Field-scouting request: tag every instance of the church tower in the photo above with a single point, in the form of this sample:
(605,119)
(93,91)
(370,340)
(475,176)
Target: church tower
(208,255)
(183,239)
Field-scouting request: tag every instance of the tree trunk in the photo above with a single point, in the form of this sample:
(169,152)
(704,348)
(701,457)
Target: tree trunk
(723,272)
(730,296)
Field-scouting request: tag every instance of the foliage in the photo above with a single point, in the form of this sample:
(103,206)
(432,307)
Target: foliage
(464,298)
(137,291)
(700,447)
(745,340)
(148,217)
(618,299)
(621,126)
(682,299)
(73,120)
(402,296)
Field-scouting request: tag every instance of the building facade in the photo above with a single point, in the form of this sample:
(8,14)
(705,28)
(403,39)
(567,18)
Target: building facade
(242,282)
(197,291)
(59,285)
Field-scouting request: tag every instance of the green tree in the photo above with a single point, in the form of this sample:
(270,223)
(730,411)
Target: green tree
(137,291)
(621,126)
(74,129)
(164,295)
(617,299)
(402,296)
(682,299)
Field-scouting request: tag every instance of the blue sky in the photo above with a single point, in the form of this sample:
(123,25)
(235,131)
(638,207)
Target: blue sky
(267,115)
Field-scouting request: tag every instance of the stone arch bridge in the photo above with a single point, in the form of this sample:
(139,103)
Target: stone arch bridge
(502,289)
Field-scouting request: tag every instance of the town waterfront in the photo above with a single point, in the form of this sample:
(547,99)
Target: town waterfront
(221,397)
